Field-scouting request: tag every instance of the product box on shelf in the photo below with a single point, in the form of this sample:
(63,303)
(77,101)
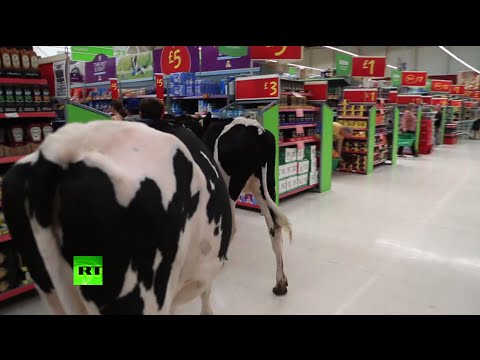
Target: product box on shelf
(2,100)
(10,104)
(313,178)
(182,78)
(19,99)
(292,182)
(292,169)
(300,154)
(303,179)
(283,171)
(282,184)
(310,152)
(29,104)
(313,165)
(177,90)
(189,90)
(303,166)
(288,155)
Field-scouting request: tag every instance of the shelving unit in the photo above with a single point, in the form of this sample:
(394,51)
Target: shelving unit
(17,291)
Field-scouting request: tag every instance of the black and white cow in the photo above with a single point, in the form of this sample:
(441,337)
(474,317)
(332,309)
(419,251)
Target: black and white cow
(245,152)
(152,204)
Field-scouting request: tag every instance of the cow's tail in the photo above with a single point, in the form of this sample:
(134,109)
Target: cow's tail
(268,184)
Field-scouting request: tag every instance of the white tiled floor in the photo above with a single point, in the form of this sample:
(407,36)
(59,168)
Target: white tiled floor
(404,240)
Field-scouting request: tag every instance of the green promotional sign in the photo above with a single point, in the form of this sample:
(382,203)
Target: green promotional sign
(88,53)
(343,64)
(236,51)
(292,70)
(396,77)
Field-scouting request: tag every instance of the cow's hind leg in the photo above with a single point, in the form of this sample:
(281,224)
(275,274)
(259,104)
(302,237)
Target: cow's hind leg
(275,232)
(206,305)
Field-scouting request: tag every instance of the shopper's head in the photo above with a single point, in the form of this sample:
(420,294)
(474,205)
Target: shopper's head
(438,107)
(117,107)
(133,107)
(346,131)
(151,108)
(411,107)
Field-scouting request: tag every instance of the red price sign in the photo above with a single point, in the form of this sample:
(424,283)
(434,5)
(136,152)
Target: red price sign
(175,59)
(440,101)
(369,66)
(114,88)
(470,104)
(409,99)
(457,89)
(360,95)
(317,89)
(414,78)
(441,86)
(276,52)
(468,93)
(257,87)
(392,97)
(456,103)
(159,86)
(476,95)
(427,100)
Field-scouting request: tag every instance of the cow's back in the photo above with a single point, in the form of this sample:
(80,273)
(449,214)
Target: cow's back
(122,191)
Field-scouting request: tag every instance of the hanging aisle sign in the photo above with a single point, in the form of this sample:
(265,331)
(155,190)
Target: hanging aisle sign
(441,86)
(114,88)
(439,101)
(317,89)
(361,95)
(276,52)
(100,69)
(396,77)
(409,99)
(159,86)
(369,66)
(343,64)
(414,78)
(257,87)
(457,89)
(468,93)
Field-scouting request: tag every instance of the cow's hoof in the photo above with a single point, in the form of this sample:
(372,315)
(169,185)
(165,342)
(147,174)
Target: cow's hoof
(280,290)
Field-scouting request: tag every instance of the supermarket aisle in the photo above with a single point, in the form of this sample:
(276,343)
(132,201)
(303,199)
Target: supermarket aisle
(403,240)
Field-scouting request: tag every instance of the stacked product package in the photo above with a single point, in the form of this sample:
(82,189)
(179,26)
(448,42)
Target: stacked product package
(297,168)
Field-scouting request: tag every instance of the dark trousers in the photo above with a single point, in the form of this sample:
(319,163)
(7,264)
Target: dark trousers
(400,148)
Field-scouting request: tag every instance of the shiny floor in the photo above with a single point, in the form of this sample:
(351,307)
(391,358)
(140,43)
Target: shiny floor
(404,240)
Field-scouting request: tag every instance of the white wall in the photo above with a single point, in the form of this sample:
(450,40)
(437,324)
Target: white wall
(427,58)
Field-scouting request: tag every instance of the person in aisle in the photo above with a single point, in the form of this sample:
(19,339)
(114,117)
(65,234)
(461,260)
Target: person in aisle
(476,129)
(133,110)
(339,133)
(438,123)
(116,108)
(408,125)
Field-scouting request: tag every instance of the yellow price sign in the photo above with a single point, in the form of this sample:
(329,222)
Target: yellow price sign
(273,86)
(174,56)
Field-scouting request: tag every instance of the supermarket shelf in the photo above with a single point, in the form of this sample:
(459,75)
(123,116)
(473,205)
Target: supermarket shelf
(379,162)
(296,191)
(5,237)
(352,171)
(248,205)
(295,108)
(23,81)
(296,142)
(10,159)
(30,114)
(140,96)
(99,100)
(382,124)
(355,152)
(353,117)
(355,138)
(200,97)
(297,92)
(17,291)
(359,129)
(294,126)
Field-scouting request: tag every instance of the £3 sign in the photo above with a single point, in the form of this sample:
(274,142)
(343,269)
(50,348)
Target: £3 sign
(257,87)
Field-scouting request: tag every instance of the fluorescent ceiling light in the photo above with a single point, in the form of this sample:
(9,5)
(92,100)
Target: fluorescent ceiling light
(458,59)
(392,67)
(340,50)
(272,60)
